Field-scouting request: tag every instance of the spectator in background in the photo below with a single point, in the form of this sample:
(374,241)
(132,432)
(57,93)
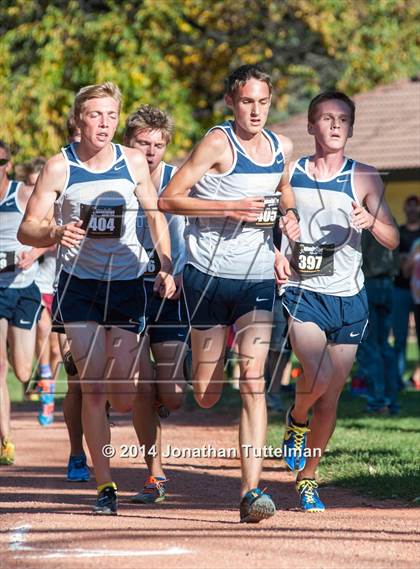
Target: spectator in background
(403,300)
(375,356)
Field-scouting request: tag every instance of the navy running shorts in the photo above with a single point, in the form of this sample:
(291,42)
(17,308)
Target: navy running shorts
(344,319)
(109,303)
(21,306)
(279,341)
(213,301)
(166,319)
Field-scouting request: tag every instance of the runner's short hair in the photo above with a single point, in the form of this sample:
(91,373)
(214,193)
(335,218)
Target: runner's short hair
(6,148)
(35,165)
(240,76)
(148,117)
(98,91)
(330,96)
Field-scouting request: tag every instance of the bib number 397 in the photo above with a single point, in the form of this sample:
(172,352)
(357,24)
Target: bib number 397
(310,260)
(102,221)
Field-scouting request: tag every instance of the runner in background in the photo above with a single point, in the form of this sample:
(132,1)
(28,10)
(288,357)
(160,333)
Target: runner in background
(47,345)
(161,384)
(20,299)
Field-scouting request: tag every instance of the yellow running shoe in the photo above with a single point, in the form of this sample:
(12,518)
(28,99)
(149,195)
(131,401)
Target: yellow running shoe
(7,452)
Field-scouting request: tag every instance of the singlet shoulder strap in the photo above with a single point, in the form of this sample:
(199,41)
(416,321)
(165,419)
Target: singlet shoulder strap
(227,128)
(168,172)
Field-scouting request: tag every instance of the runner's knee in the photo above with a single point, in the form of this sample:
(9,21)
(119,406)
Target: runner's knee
(23,371)
(121,403)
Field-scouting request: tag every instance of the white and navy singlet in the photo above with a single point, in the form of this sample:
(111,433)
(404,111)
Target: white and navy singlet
(176,224)
(223,247)
(327,259)
(11,216)
(106,203)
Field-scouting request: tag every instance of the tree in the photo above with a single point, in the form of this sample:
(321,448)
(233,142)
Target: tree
(176,54)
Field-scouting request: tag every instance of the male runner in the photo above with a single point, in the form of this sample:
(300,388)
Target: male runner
(77,468)
(230,187)
(150,130)
(337,198)
(47,348)
(20,300)
(100,297)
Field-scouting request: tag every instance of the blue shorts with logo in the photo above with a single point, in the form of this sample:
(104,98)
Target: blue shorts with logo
(166,319)
(109,303)
(279,335)
(213,301)
(344,319)
(21,307)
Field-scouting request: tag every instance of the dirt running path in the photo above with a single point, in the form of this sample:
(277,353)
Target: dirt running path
(45,521)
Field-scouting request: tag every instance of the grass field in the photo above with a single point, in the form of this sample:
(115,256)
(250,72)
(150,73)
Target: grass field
(375,455)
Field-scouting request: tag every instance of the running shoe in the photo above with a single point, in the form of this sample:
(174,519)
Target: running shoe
(255,506)
(154,491)
(106,503)
(77,469)
(46,388)
(309,499)
(7,452)
(294,444)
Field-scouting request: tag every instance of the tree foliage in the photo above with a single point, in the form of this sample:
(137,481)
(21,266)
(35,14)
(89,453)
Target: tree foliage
(176,54)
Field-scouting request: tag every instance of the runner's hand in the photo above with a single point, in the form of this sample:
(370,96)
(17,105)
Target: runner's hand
(245,210)
(69,235)
(164,285)
(361,218)
(26,260)
(289,225)
(281,269)
(178,284)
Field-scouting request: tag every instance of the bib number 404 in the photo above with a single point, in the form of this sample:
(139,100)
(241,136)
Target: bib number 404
(102,224)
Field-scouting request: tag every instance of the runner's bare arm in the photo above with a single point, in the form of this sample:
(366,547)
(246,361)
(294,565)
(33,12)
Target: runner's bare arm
(207,155)
(289,223)
(147,196)
(38,228)
(374,214)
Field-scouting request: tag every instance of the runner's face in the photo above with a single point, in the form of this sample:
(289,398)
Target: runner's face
(153,145)
(250,104)
(99,121)
(331,126)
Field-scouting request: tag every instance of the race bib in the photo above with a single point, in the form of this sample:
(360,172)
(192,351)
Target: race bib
(268,216)
(153,266)
(7,262)
(102,221)
(310,260)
